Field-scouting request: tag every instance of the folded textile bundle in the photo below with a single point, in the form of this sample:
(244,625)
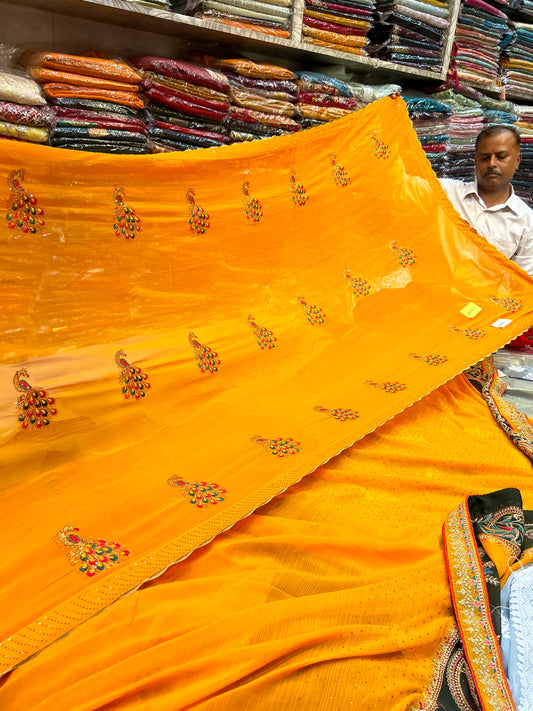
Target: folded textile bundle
(24,115)
(186,103)
(95,102)
(431,121)
(481,28)
(340,24)
(268,16)
(516,62)
(523,179)
(410,32)
(322,98)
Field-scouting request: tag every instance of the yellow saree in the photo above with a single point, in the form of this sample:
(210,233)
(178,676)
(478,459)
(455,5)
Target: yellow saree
(185,336)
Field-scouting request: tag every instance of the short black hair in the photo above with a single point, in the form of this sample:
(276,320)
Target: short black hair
(498,128)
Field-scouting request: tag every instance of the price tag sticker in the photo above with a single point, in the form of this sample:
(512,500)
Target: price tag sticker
(470,310)
(501,323)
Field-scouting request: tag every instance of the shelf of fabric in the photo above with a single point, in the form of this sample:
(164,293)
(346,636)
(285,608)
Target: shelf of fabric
(136,15)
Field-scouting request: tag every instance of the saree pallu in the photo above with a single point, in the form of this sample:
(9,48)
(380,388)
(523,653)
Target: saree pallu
(187,335)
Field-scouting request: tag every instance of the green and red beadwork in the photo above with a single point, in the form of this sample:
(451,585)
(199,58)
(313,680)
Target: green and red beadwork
(88,555)
(381,149)
(299,194)
(198,218)
(360,287)
(405,256)
(199,493)
(340,174)
(389,386)
(134,381)
(34,405)
(23,212)
(314,313)
(253,208)
(127,222)
(430,359)
(507,302)
(265,338)
(279,447)
(473,334)
(338,413)
(208,360)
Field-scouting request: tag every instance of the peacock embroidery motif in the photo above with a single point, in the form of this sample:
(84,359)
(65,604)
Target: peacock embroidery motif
(314,313)
(381,149)
(127,222)
(473,334)
(279,447)
(390,386)
(299,193)
(340,174)
(200,493)
(134,381)
(507,302)
(34,405)
(23,212)
(430,359)
(265,338)
(338,413)
(360,287)
(198,218)
(88,555)
(405,256)
(252,205)
(208,360)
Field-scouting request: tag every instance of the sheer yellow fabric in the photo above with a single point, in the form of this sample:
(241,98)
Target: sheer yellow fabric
(322,282)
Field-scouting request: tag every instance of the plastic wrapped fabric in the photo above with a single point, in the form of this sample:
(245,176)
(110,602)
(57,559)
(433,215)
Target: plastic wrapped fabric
(423,17)
(90,66)
(328,100)
(184,103)
(167,132)
(273,31)
(322,112)
(284,122)
(27,115)
(79,117)
(264,9)
(239,16)
(34,134)
(186,88)
(68,91)
(244,67)
(258,130)
(184,71)
(356,12)
(273,86)
(333,27)
(261,93)
(100,146)
(163,113)
(96,105)
(333,37)
(248,100)
(324,83)
(195,133)
(44,76)
(19,88)
(338,18)
(109,134)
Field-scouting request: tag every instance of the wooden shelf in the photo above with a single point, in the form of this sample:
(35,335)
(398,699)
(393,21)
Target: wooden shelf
(141,17)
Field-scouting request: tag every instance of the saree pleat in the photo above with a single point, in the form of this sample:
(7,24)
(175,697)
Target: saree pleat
(186,336)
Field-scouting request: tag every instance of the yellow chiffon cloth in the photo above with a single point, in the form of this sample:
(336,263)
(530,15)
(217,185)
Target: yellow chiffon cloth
(184,336)
(333,595)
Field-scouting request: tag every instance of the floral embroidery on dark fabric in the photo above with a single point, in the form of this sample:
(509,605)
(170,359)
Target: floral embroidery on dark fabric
(34,405)
(430,359)
(340,175)
(473,333)
(460,682)
(314,314)
(280,447)
(127,223)
(198,218)
(505,525)
(89,555)
(199,493)
(252,204)
(208,360)
(507,302)
(405,256)
(390,386)
(360,286)
(265,338)
(381,150)
(23,213)
(299,194)
(134,381)
(338,413)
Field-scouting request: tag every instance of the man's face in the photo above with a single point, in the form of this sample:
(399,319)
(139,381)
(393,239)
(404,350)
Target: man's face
(497,158)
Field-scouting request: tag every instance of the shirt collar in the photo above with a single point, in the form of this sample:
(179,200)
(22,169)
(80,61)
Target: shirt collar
(513,202)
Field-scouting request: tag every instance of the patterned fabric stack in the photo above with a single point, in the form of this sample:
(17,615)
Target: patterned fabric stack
(271,17)
(24,115)
(263,97)
(159,4)
(465,124)
(338,24)
(95,101)
(410,32)
(186,104)
(431,121)
(322,98)
(516,62)
(481,27)
(523,179)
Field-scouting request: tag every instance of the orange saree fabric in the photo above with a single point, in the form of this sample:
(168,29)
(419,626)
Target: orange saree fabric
(184,336)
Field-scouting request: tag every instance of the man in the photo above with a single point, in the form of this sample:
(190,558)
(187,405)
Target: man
(489,204)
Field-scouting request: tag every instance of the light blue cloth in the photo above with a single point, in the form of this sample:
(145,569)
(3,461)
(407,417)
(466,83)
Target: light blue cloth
(517,635)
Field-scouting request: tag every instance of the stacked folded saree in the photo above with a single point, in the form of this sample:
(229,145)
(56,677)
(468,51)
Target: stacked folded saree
(322,98)
(96,101)
(517,63)
(523,177)
(342,25)
(271,17)
(186,103)
(24,115)
(189,439)
(431,121)
(411,32)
